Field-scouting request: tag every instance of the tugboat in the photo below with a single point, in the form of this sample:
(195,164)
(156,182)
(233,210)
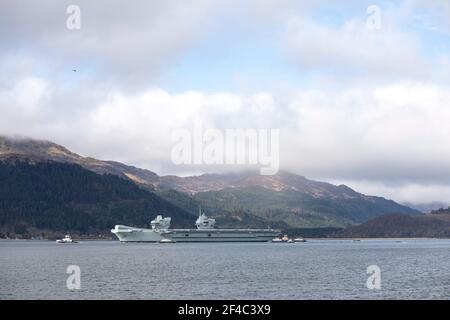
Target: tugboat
(66,239)
(285,238)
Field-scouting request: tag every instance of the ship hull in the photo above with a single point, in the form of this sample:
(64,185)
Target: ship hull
(130,234)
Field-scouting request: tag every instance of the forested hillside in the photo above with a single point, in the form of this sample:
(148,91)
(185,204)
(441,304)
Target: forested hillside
(35,197)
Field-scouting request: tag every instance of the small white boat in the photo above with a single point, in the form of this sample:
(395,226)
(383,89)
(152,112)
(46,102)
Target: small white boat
(166,240)
(66,239)
(277,240)
(299,240)
(290,241)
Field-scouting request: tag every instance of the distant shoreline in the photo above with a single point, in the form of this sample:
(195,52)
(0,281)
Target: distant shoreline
(332,239)
(378,238)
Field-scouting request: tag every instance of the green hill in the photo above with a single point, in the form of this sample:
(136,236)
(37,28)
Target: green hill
(38,197)
(435,225)
(240,199)
(299,209)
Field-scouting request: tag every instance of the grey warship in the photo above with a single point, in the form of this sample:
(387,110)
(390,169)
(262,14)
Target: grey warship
(205,232)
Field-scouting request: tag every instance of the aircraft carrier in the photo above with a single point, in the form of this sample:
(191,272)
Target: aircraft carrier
(205,232)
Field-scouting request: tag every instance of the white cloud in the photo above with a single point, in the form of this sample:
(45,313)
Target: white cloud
(24,102)
(354,50)
(128,43)
(390,133)
(403,192)
(387,137)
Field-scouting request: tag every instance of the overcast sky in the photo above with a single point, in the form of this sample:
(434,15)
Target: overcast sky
(356,105)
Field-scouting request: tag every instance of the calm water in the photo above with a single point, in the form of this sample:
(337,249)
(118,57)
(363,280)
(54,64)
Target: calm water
(318,269)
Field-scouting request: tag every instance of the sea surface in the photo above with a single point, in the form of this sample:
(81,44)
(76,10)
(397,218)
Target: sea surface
(317,269)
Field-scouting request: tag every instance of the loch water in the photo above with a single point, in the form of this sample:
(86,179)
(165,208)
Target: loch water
(317,269)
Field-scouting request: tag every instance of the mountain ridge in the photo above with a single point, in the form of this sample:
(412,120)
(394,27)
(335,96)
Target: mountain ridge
(283,181)
(287,197)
